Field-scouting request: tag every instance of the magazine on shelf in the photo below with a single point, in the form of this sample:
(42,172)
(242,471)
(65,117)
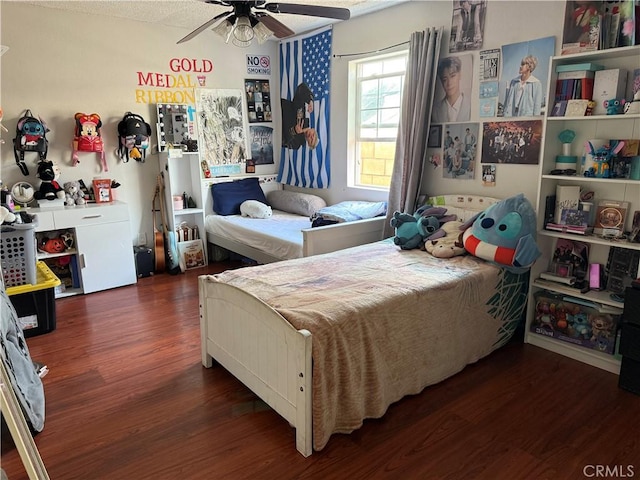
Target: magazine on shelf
(192,253)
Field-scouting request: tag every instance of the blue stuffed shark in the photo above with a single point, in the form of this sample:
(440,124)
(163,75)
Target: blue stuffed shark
(504,234)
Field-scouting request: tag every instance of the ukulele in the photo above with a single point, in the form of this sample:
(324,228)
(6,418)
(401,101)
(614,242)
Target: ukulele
(157,234)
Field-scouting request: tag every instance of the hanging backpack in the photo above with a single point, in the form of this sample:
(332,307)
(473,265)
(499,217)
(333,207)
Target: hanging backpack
(88,137)
(133,137)
(30,137)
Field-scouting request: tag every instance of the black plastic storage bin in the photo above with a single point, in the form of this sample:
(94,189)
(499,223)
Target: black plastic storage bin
(36,304)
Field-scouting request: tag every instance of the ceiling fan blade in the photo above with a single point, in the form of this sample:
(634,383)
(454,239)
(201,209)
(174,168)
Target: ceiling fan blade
(278,28)
(202,28)
(311,10)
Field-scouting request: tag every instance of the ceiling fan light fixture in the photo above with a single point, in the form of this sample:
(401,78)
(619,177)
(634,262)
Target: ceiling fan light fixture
(224,29)
(243,32)
(262,32)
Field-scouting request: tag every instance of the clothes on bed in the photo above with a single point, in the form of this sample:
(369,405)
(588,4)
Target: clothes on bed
(348,211)
(386,322)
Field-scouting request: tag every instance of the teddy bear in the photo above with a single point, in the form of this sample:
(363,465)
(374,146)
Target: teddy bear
(50,189)
(73,193)
(448,246)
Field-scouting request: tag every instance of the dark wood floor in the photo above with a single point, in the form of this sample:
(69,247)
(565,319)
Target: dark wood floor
(127,398)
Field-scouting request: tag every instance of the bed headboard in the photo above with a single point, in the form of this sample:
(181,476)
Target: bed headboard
(268,182)
(464,206)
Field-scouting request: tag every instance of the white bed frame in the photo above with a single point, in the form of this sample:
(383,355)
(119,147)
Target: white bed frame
(264,351)
(261,349)
(315,241)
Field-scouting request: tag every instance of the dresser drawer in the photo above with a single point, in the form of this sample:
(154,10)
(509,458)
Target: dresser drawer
(44,221)
(90,215)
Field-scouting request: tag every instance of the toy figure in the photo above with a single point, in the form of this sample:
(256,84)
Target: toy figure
(614,106)
(602,158)
(49,189)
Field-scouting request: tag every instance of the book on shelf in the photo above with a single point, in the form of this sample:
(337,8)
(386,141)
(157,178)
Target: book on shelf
(567,196)
(559,227)
(610,218)
(608,84)
(549,209)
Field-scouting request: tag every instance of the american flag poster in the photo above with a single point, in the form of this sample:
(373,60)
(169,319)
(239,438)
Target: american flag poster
(305,71)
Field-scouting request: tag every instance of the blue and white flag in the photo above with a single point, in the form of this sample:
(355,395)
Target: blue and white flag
(305,72)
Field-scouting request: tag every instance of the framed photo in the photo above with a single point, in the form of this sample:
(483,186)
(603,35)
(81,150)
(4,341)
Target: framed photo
(250,167)
(192,253)
(435,137)
(258,96)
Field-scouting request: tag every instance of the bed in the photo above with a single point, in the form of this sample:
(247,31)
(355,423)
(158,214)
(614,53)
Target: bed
(287,234)
(305,335)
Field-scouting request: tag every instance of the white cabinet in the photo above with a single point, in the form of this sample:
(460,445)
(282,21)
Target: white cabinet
(102,243)
(585,128)
(182,174)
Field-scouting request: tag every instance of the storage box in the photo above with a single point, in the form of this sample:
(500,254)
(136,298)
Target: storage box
(19,254)
(35,303)
(588,327)
(608,84)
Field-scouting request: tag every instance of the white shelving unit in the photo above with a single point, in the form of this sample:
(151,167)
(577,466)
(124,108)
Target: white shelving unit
(182,174)
(586,128)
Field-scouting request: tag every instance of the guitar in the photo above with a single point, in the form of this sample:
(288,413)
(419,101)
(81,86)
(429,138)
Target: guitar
(158,237)
(170,244)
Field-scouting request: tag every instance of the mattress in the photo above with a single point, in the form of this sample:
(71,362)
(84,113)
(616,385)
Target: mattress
(279,236)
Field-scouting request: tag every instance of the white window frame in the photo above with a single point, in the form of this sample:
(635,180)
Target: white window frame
(353,129)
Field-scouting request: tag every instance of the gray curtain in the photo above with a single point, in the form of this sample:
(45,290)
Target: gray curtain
(420,81)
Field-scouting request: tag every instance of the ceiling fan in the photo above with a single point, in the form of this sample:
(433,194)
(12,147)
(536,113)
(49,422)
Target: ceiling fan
(251,18)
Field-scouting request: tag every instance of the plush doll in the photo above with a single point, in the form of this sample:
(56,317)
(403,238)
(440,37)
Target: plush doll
(413,230)
(73,194)
(504,234)
(614,106)
(448,246)
(49,189)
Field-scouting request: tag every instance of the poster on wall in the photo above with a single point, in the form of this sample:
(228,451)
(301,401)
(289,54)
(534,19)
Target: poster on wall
(258,95)
(516,142)
(467,25)
(261,144)
(522,93)
(220,126)
(460,150)
(488,175)
(452,101)
(489,64)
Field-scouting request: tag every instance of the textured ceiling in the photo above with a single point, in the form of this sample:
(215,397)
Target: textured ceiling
(190,14)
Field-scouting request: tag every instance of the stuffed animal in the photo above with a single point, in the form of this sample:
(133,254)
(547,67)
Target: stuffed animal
(412,230)
(448,246)
(73,193)
(614,106)
(255,209)
(504,234)
(49,189)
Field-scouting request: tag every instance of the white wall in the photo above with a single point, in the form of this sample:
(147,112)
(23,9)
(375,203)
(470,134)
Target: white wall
(60,63)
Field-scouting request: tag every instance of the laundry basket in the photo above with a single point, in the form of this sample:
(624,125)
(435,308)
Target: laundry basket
(19,254)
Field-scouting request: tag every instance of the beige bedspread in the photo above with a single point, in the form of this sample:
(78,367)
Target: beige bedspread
(385,322)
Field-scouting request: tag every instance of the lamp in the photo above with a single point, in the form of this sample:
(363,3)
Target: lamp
(243,30)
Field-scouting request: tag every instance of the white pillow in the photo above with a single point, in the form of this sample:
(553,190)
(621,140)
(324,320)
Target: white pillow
(295,202)
(255,209)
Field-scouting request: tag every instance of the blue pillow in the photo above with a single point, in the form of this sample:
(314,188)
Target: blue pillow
(228,196)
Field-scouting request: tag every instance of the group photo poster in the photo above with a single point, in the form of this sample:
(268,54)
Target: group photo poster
(516,142)
(258,95)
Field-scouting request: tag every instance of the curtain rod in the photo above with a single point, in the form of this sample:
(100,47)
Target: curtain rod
(372,51)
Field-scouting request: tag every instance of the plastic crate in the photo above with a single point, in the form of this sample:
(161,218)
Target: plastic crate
(35,303)
(19,254)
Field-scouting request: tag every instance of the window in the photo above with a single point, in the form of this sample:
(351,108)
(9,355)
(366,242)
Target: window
(375,99)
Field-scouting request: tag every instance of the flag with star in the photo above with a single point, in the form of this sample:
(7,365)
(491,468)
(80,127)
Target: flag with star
(305,70)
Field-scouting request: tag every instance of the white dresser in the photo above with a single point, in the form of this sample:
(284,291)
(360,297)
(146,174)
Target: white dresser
(102,247)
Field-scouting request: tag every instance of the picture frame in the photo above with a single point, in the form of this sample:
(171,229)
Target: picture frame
(192,254)
(576,108)
(258,97)
(435,136)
